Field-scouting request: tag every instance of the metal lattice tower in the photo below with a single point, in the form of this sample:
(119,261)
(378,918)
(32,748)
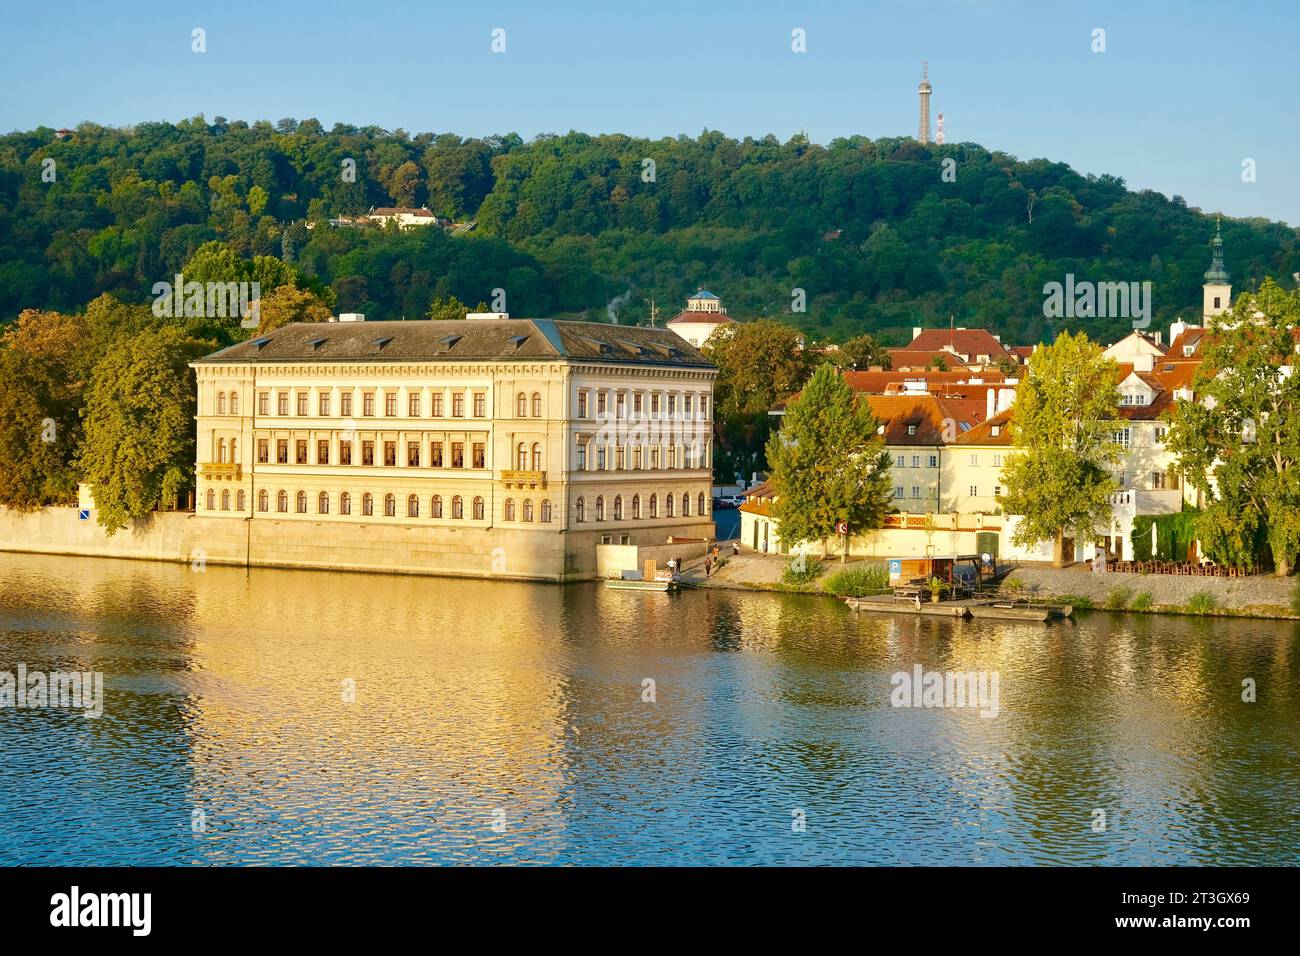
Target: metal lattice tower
(924,91)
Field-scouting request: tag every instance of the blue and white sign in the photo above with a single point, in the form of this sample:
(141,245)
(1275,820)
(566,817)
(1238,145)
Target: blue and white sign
(895,568)
(83,514)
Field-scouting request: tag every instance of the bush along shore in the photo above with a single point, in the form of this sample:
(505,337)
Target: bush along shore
(1262,596)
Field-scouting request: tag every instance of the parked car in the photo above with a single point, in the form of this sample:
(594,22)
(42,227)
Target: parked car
(732,501)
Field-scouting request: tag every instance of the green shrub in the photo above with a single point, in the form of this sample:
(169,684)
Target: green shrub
(1142,602)
(858,581)
(801,570)
(1079,602)
(1202,602)
(1118,598)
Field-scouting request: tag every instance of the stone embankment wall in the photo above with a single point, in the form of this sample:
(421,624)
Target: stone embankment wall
(1237,594)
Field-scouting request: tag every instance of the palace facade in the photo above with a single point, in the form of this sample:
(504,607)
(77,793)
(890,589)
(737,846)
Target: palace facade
(485,447)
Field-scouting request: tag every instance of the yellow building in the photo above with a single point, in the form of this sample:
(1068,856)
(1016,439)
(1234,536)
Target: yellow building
(495,446)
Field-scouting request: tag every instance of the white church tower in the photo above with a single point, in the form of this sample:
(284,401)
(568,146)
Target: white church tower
(1218,283)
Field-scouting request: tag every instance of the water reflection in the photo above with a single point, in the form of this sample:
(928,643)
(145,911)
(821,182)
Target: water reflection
(505,723)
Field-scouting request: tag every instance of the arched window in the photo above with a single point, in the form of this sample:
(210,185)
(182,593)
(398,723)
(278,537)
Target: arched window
(478,509)
(345,504)
(686,505)
(600,507)
(521,405)
(225,499)
(234,450)
(435,507)
(234,403)
(221,403)
(654,506)
(367,504)
(521,457)
(546,511)
(263,501)
(537,404)
(323,503)
(412,506)
(618,507)
(537,456)
(509,509)
(212,500)
(301,501)
(221,449)
(636,507)
(579,508)
(528,509)
(390,506)
(240,500)
(282,501)
(668,505)
(699,504)
(458,507)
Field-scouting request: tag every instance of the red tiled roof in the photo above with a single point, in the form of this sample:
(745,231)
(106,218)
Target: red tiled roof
(402,210)
(982,434)
(969,342)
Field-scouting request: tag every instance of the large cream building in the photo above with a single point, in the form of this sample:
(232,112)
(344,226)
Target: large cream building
(488,447)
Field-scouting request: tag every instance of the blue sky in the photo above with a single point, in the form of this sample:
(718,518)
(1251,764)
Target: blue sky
(1184,92)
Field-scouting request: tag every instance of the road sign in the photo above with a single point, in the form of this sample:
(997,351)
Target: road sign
(83,514)
(841,527)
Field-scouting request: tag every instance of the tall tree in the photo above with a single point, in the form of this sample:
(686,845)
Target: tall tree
(829,463)
(138,449)
(860,353)
(1058,480)
(1239,444)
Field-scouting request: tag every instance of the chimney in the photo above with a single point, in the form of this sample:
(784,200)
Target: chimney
(1176,328)
(916,332)
(989,403)
(1158,334)
(1005,397)
(1144,363)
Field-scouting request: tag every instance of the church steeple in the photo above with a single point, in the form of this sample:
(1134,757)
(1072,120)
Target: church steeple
(1217,273)
(1218,283)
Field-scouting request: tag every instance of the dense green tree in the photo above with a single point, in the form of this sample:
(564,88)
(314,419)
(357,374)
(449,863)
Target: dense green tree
(1239,443)
(1058,479)
(828,463)
(138,447)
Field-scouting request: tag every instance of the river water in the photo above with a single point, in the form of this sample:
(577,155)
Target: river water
(282,717)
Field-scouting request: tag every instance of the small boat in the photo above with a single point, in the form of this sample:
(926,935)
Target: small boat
(1008,611)
(634,581)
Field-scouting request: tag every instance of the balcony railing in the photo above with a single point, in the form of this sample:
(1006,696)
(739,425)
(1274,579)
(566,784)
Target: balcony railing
(523,479)
(221,469)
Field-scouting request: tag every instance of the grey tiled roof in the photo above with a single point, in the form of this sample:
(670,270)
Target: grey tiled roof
(470,340)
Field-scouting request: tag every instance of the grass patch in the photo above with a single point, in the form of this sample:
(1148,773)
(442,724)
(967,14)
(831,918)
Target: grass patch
(1080,602)
(1143,602)
(1202,602)
(1118,598)
(859,581)
(801,570)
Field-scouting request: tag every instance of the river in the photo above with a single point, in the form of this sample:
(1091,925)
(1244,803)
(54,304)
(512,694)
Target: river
(292,717)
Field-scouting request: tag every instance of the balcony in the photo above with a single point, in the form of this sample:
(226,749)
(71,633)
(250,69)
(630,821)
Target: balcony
(524,479)
(220,469)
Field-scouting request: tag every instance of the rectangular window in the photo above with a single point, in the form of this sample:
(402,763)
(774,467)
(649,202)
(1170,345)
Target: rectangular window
(413,454)
(620,406)
(997,461)
(300,451)
(390,454)
(413,405)
(435,454)
(458,454)
(368,404)
(636,404)
(345,452)
(480,455)
(601,407)
(367,453)
(916,461)
(480,405)
(704,407)
(654,456)
(654,404)
(437,404)
(458,405)
(898,491)
(390,404)
(916,491)
(322,451)
(618,457)
(975,460)
(900,461)
(345,404)
(600,457)
(1160,434)
(263,451)
(323,402)
(1121,437)
(582,456)
(282,403)
(302,405)
(974,491)
(672,456)
(264,403)
(686,405)
(636,458)
(672,405)
(934,461)
(997,491)
(282,451)
(582,404)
